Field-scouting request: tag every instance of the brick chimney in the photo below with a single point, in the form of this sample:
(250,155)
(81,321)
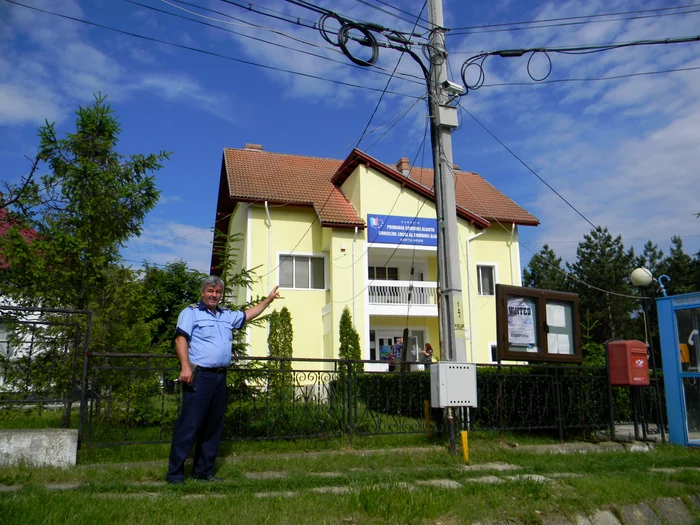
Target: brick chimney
(404,165)
(257,147)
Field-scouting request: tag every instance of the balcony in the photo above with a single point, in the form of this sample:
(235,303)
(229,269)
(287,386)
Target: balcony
(392,298)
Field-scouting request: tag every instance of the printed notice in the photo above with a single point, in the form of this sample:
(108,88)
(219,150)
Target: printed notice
(458,317)
(556,315)
(558,344)
(521,326)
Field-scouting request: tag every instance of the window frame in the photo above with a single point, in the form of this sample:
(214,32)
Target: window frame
(283,256)
(494,279)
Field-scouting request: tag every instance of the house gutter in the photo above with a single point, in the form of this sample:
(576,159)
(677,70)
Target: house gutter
(469,296)
(354,243)
(269,260)
(510,253)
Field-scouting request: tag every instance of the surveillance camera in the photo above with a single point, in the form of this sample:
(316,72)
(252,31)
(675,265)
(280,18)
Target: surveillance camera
(452,87)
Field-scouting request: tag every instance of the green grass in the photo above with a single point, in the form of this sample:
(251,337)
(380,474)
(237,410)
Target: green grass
(120,484)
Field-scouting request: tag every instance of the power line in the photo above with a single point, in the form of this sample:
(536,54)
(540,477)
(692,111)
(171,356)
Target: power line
(402,11)
(381,97)
(469,29)
(205,52)
(527,166)
(415,22)
(380,71)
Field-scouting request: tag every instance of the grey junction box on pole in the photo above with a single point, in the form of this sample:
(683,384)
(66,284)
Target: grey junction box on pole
(452,385)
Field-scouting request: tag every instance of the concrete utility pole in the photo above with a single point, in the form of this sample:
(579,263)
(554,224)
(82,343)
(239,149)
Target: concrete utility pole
(443,119)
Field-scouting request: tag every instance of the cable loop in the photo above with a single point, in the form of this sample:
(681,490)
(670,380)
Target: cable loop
(434,55)
(324,32)
(482,75)
(549,71)
(370,41)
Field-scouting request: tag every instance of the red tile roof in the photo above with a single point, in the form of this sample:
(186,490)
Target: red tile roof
(254,175)
(5,226)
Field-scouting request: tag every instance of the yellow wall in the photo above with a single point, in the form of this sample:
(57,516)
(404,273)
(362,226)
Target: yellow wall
(295,229)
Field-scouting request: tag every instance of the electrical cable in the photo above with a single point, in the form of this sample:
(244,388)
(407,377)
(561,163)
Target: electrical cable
(477,61)
(469,29)
(203,51)
(377,69)
(415,22)
(521,161)
(381,97)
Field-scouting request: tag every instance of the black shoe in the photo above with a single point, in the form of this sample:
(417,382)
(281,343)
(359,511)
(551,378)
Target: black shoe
(176,481)
(210,479)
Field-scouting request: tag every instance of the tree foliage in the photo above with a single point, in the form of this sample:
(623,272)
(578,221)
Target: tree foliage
(83,210)
(349,338)
(169,290)
(545,272)
(281,335)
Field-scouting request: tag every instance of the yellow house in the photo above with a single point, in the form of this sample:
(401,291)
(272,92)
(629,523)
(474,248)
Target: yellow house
(362,234)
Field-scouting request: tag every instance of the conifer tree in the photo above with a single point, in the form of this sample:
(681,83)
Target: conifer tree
(604,266)
(679,267)
(349,338)
(544,271)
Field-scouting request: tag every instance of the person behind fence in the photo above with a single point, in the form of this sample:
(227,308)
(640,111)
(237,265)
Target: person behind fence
(203,345)
(395,353)
(427,354)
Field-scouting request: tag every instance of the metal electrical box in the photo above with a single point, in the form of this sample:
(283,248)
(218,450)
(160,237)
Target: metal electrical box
(452,385)
(628,364)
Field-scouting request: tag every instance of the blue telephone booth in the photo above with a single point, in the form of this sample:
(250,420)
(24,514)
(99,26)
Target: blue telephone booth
(679,322)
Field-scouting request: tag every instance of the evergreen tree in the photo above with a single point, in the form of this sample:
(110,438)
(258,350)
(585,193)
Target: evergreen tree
(680,268)
(601,277)
(349,338)
(651,258)
(544,271)
(281,335)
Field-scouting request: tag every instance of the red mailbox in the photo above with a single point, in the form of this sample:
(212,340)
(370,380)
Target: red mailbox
(628,364)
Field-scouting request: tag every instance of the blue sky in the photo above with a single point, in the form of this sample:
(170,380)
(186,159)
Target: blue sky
(623,152)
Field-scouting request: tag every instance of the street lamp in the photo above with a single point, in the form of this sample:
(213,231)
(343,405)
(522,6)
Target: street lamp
(642,278)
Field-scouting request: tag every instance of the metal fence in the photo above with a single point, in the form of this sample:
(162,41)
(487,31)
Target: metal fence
(42,357)
(133,399)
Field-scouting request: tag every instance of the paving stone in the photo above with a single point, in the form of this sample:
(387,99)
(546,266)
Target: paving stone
(10,488)
(564,475)
(555,520)
(134,495)
(673,511)
(695,502)
(205,496)
(61,486)
(638,446)
(149,483)
(491,466)
(529,477)
(274,474)
(442,483)
(331,490)
(664,470)
(402,485)
(640,514)
(604,517)
(485,479)
(326,474)
(580,519)
(286,494)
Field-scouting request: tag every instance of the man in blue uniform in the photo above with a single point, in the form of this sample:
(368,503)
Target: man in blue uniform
(203,345)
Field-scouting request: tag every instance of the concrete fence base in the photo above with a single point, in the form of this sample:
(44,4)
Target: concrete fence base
(39,448)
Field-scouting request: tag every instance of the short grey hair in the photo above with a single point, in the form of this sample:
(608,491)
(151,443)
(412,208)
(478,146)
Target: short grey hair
(212,280)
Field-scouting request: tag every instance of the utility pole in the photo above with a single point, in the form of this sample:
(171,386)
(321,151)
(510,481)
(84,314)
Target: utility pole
(443,119)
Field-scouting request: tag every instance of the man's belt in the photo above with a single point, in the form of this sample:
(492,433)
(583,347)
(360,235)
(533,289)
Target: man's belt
(214,369)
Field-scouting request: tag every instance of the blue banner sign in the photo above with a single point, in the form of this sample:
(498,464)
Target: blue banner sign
(415,231)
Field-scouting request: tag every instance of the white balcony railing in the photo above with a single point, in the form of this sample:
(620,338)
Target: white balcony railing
(397,292)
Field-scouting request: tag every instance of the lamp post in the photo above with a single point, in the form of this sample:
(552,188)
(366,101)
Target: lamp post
(642,278)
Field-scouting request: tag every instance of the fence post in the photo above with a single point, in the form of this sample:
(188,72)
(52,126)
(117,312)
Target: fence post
(558,402)
(351,400)
(83,384)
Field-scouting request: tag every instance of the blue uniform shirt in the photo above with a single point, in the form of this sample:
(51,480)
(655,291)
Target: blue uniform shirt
(209,335)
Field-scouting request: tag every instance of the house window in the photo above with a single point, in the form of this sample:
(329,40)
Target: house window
(383,273)
(486,279)
(297,271)
(4,341)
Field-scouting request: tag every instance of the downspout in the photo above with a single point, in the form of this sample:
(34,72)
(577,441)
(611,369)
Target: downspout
(354,242)
(469,296)
(269,260)
(510,253)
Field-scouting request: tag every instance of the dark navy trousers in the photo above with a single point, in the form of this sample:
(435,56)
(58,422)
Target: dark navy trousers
(201,423)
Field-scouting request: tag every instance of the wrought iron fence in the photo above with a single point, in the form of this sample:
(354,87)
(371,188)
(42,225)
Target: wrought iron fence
(134,399)
(42,358)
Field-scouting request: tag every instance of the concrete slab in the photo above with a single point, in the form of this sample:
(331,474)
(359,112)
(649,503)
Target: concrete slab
(326,474)
(673,511)
(331,490)
(604,517)
(266,475)
(54,447)
(498,466)
(694,502)
(555,520)
(484,479)
(640,514)
(557,475)
(441,483)
(664,470)
(10,488)
(285,494)
(529,477)
(61,486)
(580,519)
